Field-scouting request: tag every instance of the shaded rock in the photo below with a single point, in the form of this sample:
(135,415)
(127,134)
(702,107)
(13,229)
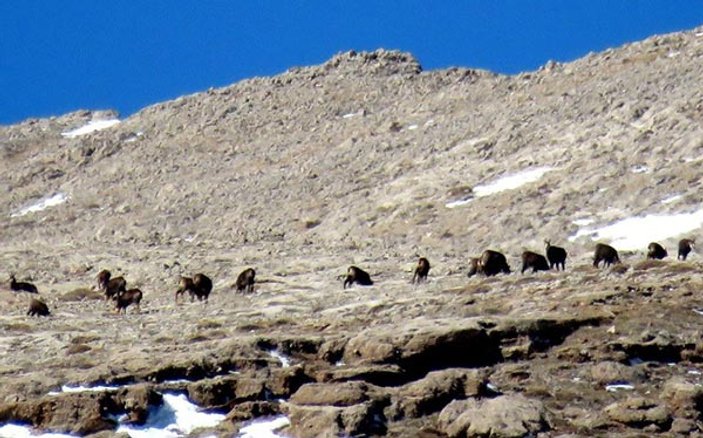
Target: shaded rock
(435,391)
(362,419)
(249,410)
(419,347)
(683,396)
(511,415)
(135,400)
(285,381)
(381,375)
(639,412)
(609,372)
(329,394)
(75,413)
(223,391)
(684,426)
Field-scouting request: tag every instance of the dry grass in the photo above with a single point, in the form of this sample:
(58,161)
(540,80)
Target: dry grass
(81,294)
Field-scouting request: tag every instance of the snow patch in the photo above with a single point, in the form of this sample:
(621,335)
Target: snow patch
(583,222)
(92,126)
(412,127)
(285,361)
(458,203)
(636,232)
(615,387)
(700,312)
(41,204)
(640,169)
(671,199)
(176,417)
(18,431)
(264,427)
(66,388)
(511,182)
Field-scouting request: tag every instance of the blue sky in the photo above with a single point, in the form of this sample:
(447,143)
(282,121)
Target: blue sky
(57,56)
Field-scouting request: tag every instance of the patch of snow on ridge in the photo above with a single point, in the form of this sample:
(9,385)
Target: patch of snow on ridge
(635,233)
(18,431)
(176,417)
(264,427)
(66,388)
(458,203)
(92,126)
(671,199)
(285,361)
(42,204)
(511,182)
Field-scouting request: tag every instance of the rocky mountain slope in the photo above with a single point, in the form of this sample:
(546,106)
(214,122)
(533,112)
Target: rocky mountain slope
(369,160)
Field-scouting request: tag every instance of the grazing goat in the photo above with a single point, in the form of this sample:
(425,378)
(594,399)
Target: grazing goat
(245,280)
(125,298)
(656,251)
(421,270)
(199,286)
(19,286)
(492,263)
(537,262)
(114,286)
(556,256)
(474,266)
(358,276)
(38,308)
(685,246)
(605,253)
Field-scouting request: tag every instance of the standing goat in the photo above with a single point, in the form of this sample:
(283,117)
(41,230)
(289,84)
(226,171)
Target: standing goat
(199,286)
(556,256)
(124,299)
(492,263)
(685,247)
(421,270)
(245,280)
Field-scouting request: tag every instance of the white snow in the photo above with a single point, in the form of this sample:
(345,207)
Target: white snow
(176,417)
(285,361)
(700,312)
(66,388)
(671,199)
(583,222)
(92,126)
(619,386)
(640,169)
(264,427)
(511,182)
(637,232)
(41,204)
(412,127)
(458,203)
(17,431)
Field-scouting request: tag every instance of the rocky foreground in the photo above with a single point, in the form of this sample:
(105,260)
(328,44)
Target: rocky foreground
(368,160)
(577,353)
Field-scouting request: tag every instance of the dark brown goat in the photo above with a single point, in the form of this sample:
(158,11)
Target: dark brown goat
(605,253)
(21,286)
(199,286)
(358,276)
(246,280)
(102,278)
(114,286)
(125,298)
(474,266)
(556,256)
(685,247)
(492,263)
(38,308)
(421,270)
(534,261)
(656,251)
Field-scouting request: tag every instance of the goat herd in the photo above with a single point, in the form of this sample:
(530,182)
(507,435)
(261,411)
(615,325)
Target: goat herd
(489,263)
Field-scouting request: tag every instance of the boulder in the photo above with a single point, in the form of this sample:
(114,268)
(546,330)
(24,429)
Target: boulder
(609,372)
(639,412)
(135,400)
(512,415)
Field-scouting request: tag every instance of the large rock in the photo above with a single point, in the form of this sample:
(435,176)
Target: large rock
(136,400)
(610,372)
(332,410)
(435,391)
(421,346)
(506,416)
(639,412)
(224,391)
(684,397)
(76,413)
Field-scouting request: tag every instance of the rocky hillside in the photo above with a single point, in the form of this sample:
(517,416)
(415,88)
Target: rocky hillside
(369,160)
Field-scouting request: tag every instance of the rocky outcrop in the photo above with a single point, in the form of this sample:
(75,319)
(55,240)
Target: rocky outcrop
(506,416)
